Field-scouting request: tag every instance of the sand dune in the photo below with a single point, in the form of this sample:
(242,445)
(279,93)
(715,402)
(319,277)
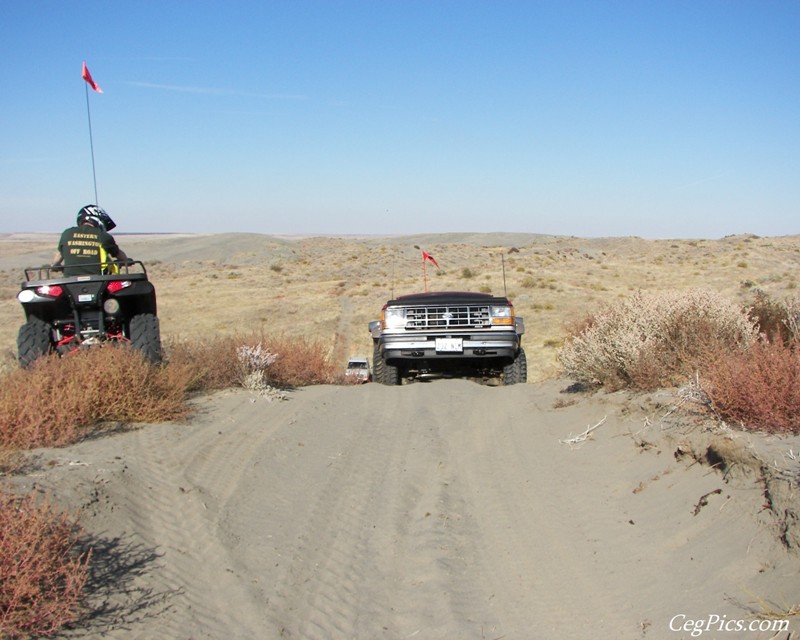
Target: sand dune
(439,510)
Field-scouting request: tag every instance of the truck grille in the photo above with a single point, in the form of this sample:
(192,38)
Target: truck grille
(448,317)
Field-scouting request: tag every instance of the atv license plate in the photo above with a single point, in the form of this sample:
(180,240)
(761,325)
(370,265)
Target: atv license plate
(449,345)
(85,297)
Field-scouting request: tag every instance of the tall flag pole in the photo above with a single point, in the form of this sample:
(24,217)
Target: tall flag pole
(91,83)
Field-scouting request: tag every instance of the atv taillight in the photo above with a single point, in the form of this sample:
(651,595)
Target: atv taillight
(50,290)
(117,285)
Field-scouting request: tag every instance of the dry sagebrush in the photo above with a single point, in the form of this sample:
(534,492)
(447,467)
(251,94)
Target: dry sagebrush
(42,571)
(655,339)
(792,319)
(218,364)
(209,364)
(758,388)
(57,400)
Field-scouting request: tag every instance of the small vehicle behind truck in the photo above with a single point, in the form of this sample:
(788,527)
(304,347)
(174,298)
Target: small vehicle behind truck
(357,370)
(448,334)
(67,313)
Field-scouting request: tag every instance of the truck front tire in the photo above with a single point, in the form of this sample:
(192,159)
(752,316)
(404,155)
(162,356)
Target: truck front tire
(516,372)
(391,374)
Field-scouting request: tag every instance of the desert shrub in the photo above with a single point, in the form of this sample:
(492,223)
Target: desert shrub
(54,402)
(467,273)
(254,363)
(792,307)
(777,320)
(209,364)
(651,340)
(771,317)
(218,364)
(299,361)
(58,400)
(42,571)
(758,387)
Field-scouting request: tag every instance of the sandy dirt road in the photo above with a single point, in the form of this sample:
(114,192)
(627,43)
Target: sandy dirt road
(439,511)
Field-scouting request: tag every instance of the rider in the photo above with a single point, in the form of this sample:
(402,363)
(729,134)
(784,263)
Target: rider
(84,249)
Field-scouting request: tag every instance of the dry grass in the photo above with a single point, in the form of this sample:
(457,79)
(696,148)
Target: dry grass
(758,387)
(217,364)
(210,364)
(42,571)
(56,401)
(299,361)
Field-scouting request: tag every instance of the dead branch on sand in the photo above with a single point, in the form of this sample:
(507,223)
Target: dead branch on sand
(704,500)
(583,437)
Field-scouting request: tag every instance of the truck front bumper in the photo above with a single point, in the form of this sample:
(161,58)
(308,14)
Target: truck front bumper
(451,346)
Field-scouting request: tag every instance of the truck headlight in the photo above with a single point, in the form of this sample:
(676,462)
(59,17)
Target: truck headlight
(502,315)
(394,319)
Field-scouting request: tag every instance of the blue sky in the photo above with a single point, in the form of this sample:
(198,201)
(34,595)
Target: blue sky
(655,119)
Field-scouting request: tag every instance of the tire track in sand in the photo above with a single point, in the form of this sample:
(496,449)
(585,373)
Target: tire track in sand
(375,547)
(175,507)
(545,583)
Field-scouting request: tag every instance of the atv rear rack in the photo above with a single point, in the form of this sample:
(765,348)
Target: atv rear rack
(50,272)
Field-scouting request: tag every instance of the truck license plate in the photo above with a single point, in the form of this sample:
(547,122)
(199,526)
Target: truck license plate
(449,345)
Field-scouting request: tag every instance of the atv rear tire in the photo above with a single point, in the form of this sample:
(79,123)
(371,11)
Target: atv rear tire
(145,335)
(33,341)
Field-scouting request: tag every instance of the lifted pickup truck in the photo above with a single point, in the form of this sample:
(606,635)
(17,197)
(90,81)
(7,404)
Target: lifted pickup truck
(448,334)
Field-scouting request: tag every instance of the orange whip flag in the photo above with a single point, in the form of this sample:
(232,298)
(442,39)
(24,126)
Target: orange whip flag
(88,77)
(425,257)
(428,256)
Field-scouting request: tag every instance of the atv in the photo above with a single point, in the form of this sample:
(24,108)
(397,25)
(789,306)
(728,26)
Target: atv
(68,313)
